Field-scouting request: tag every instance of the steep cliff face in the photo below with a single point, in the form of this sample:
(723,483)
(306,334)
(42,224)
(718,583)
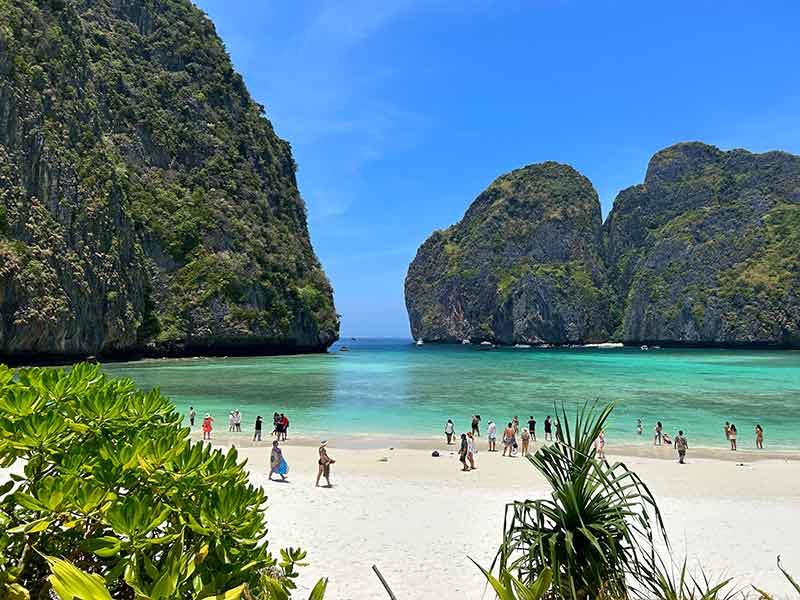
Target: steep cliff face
(146,204)
(522,266)
(707,250)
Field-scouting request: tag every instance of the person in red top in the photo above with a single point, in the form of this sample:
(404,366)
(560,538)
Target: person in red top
(285,425)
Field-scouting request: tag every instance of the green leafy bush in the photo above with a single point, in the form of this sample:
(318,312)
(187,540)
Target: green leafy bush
(111,484)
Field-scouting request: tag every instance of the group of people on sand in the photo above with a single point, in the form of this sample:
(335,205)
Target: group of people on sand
(279,466)
(511,447)
(279,420)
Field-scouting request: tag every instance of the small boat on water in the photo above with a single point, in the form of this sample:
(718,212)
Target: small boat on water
(420,342)
(465,341)
(522,345)
(644,348)
(344,349)
(486,345)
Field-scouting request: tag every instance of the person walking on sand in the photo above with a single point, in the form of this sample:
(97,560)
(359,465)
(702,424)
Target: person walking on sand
(277,464)
(257,431)
(639,427)
(192,415)
(207,427)
(732,437)
(548,429)
(681,445)
(526,439)
(532,427)
(324,463)
(658,437)
(449,430)
(491,433)
(509,440)
(471,451)
(600,445)
(476,421)
(759,437)
(463,450)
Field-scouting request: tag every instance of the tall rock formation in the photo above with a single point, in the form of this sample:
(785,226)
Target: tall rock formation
(146,204)
(522,266)
(707,250)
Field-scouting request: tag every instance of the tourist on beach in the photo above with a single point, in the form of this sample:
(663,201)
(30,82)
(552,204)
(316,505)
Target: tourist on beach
(491,432)
(515,424)
(681,445)
(449,430)
(192,415)
(727,431)
(759,437)
(559,432)
(526,439)
(257,432)
(548,429)
(476,421)
(509,440)
(639,427)
(471,450)
(532,427)
(277,464)
(600,445)
(658,437)
(284,426)
(324,463)
(207,427)
(463,451)
(237,420)
(231,424)
(732,436)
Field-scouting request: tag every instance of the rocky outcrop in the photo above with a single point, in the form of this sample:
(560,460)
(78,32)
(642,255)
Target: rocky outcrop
(707,250)
(146,204)
(522,266)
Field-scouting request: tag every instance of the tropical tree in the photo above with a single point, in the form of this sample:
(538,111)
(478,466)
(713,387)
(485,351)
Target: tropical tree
(106,480)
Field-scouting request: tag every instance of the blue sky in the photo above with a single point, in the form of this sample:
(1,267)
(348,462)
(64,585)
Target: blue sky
(400,112)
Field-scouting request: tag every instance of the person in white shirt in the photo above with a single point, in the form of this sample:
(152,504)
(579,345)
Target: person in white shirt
(449,429)
(491,432)
(471,450)
(237,420)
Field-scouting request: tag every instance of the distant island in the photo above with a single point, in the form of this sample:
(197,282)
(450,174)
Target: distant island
(147,206)
(705,252)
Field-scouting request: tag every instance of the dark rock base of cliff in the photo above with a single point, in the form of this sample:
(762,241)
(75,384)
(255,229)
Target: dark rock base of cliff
(218,350)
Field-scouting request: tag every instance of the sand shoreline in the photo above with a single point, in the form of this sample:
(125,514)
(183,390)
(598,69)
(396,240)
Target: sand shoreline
(419,518)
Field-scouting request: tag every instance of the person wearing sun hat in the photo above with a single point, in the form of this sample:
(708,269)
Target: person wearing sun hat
(207,421)
(324,463)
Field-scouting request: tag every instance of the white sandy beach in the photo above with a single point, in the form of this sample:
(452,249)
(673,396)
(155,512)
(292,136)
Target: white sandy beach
(419,518)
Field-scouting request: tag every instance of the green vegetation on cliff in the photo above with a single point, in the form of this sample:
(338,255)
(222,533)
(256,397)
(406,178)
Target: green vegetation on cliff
(146,204)
(521,266)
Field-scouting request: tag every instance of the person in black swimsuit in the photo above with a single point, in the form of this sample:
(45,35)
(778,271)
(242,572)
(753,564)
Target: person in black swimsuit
(548,429)
(532,427)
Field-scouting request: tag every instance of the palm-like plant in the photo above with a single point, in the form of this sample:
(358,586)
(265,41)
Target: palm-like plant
(598,526)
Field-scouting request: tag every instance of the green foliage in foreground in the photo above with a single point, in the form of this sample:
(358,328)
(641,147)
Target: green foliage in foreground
(595,536)
(113,496)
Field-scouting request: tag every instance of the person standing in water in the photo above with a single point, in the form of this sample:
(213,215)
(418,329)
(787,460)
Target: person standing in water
(324,463)
(639,427)
(285,426)
(491,433)
(471,450)
(192,415)
(526,439)
(231,424)
(559,432)
(532,427)
(257,431)
(759,437)
(727,431)
(463,450)
(476,421)
(237,421)
(658,437)
(449,430)
(681,445)
(600,445)
(277,464)
(515,424)
(207,426)
(548,429)
(732,436)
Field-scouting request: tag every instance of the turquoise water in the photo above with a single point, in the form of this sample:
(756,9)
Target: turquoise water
(394,387)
